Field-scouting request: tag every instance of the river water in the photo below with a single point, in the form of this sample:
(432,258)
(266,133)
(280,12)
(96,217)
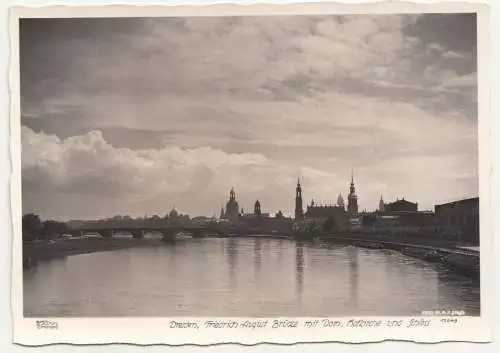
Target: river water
(244,277)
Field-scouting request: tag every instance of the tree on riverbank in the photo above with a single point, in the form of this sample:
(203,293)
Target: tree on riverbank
(31,226)
(34,228)
(52,229)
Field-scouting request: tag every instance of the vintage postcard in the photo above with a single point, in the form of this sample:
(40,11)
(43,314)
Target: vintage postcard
(249,174)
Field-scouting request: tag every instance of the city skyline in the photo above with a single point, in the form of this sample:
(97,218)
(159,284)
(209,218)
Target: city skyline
(131,116)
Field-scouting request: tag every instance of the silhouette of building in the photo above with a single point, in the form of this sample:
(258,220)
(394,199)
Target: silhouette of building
(352,200)
(257,213)
(340,201)
(256,210)
(232,210)
(202,220)
(319,213)
(402,213)
(381,205)
(461,217)
(175,218)
(299,212)
(399,206)
(173,213)
(263,223)
(315,210)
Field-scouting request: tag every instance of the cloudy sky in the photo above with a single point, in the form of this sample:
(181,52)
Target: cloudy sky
(133,116)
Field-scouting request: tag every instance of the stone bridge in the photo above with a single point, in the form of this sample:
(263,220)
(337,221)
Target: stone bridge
(168,232)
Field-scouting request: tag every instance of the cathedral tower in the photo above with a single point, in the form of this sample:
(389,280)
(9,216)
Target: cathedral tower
(299,212)
(381,205)
(352,199)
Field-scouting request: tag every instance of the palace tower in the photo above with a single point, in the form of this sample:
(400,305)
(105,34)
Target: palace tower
(352,199)
(299,212)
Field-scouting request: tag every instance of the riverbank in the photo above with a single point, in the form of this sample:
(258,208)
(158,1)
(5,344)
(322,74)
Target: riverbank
(406,239)
(34,252)
(444,252)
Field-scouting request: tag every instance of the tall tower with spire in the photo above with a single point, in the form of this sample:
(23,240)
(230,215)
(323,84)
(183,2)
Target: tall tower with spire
(352,199)
(381,205)
(299,211)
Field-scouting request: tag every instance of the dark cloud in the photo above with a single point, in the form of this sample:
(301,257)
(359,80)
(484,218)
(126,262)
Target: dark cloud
(457,32)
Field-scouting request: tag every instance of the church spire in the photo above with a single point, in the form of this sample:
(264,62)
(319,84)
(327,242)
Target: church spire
(381,204)
(352,198)
(352,189)
(299,212)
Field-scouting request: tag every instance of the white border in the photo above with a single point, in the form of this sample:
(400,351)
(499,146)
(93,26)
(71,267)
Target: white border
(156,331)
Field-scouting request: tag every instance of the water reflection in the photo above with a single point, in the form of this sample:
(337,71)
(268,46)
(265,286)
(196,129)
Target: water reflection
(280,247)
(257,253)
(353,273)
(465,290)
(244,277)
(299,269)
(232,258)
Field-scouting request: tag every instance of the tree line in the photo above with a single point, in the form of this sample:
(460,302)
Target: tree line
(36,229)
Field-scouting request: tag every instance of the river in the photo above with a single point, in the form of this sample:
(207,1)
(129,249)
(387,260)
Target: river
(244,277)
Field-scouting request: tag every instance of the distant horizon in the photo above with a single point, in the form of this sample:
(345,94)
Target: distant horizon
(134,115)
(271,213)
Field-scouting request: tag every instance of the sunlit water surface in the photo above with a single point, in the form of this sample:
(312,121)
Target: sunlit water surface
(244,277)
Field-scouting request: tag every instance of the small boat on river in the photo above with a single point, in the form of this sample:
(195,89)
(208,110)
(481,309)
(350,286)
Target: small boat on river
(433,256)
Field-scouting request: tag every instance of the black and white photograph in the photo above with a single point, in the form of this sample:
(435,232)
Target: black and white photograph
(257,166)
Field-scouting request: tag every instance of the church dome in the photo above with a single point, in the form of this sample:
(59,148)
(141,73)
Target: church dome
(173,213)
(340,200)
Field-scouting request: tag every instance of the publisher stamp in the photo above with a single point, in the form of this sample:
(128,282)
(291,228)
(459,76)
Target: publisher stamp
(443,312)
(46,324)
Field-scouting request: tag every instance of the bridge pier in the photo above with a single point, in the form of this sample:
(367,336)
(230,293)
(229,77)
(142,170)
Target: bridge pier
(198,233)
(76,233)
(138,234)
(106,233)
(169,235)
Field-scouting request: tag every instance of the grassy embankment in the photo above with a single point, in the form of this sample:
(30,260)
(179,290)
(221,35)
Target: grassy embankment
(47,250)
